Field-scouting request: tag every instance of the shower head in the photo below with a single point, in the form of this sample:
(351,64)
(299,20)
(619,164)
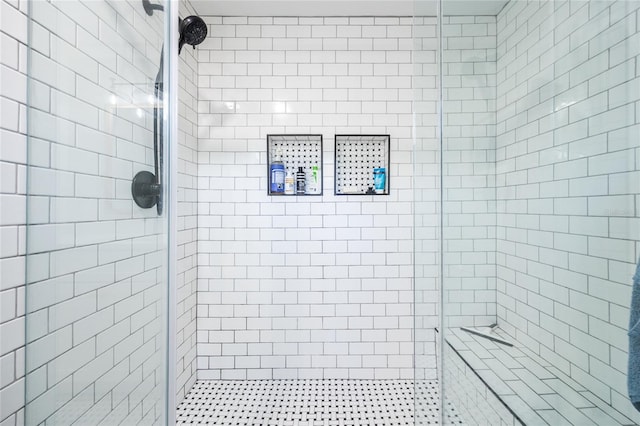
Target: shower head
(193,31)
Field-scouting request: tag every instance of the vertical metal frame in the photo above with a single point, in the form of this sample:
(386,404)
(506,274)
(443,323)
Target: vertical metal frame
(440,339)
(171,129)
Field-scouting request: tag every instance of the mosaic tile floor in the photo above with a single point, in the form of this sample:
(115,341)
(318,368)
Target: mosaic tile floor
(312,403)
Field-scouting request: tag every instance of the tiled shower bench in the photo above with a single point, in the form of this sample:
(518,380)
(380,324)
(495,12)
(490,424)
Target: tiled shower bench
(514,386)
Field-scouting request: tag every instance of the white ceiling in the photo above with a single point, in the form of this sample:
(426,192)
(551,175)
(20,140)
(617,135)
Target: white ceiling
(345,7)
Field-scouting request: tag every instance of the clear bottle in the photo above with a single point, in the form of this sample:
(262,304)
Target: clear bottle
(276,170)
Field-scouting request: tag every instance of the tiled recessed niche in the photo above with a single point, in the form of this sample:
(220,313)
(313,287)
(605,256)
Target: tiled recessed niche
(297,151)
(358,158)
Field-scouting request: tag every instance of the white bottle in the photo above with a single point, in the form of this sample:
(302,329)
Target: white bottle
(289,184)
(314,181)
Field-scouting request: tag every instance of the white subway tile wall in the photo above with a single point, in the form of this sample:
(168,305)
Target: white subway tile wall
(469,207)
(13,159)
(303,287)
(187,256)
(95,334)
(567,184)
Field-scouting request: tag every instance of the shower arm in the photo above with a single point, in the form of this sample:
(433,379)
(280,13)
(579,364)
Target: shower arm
(149,8)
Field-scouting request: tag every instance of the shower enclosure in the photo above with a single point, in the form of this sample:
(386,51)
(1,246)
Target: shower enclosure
(97,264)
(494,279)
(540,175)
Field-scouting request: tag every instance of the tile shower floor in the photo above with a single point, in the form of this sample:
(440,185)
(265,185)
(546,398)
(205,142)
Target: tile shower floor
(312,403)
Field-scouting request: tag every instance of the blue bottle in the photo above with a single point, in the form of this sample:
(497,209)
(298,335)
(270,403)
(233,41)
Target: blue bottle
(276,171)
(379,179)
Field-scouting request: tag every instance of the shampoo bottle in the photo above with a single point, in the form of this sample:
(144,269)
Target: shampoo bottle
(276,171)
(313,180)
(300,181)
(379,179)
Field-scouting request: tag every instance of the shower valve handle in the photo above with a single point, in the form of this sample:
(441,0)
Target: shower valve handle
(145,190)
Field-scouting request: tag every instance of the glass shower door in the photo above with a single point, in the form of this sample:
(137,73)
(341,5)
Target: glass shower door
(97,269)
(426,193)
(541,137)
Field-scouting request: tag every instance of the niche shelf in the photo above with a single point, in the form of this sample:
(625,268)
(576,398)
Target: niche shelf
(356,157)
(297,151)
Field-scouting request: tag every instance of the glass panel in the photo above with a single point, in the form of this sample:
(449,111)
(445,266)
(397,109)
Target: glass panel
(426,185)
(97,262)
(540,209)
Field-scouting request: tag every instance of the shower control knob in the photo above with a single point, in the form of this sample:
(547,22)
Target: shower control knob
(145,190)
